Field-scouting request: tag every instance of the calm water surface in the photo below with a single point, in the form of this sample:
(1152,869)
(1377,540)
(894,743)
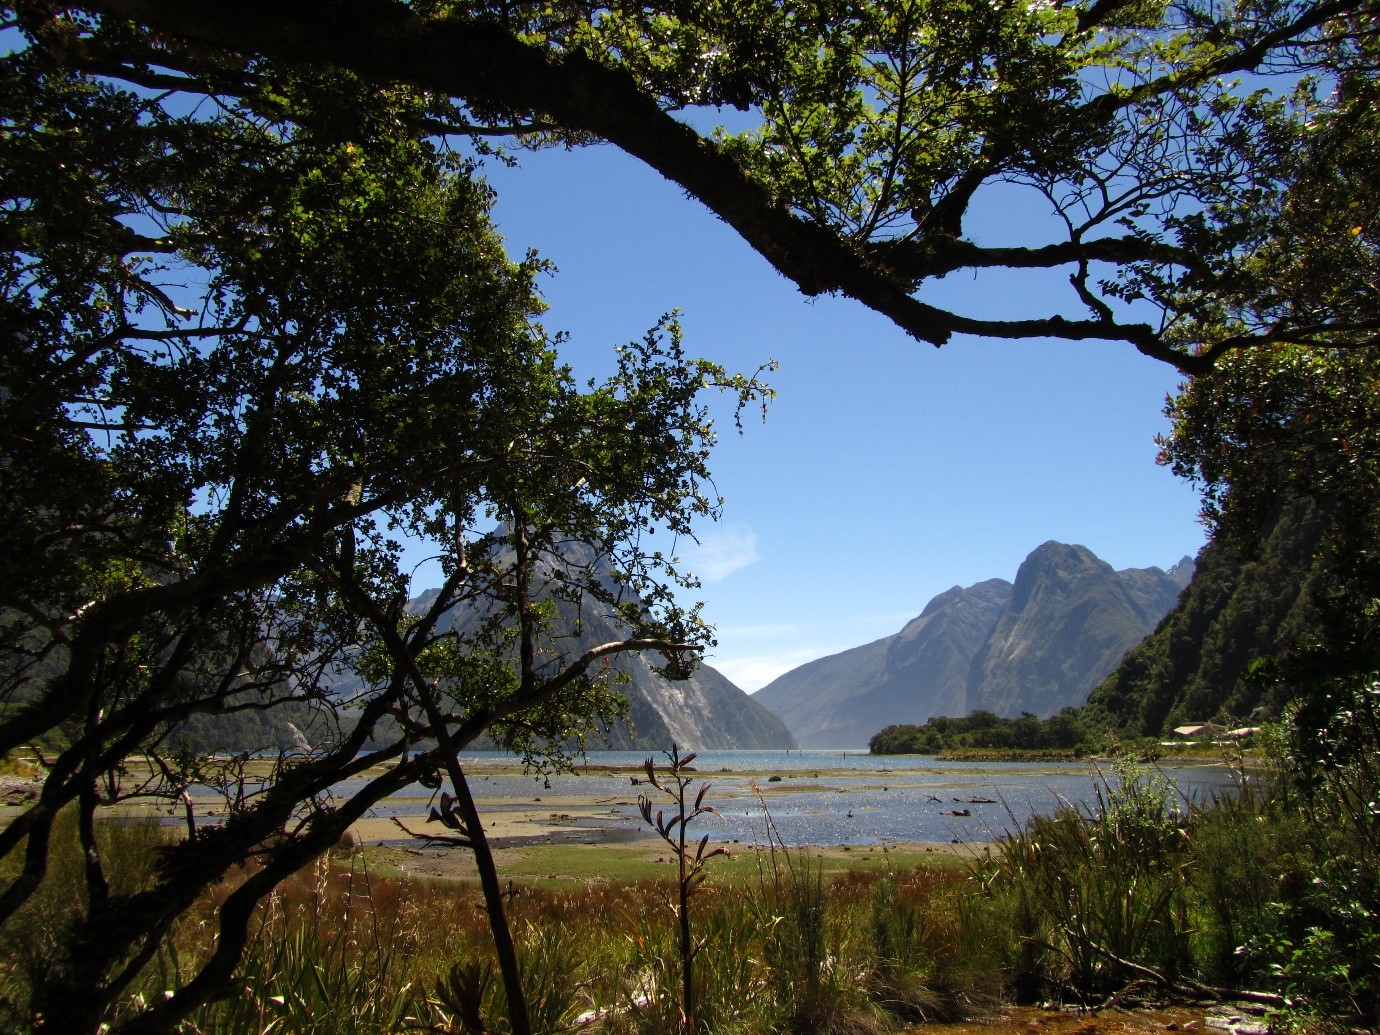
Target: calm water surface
(817,797)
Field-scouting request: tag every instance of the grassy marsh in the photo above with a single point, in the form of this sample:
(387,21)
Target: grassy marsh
(846,940)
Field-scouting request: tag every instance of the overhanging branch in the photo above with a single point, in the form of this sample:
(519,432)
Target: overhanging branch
(493,71)
(510,80)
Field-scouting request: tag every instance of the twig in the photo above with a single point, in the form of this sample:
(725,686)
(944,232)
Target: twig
(445,839)
(1187,985)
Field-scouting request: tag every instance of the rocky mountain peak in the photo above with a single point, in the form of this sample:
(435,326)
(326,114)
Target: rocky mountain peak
(1054,567)
(1038,644)
(1182,572)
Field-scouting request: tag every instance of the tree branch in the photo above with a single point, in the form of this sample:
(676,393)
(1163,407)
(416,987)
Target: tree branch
(492,70)
(919,259)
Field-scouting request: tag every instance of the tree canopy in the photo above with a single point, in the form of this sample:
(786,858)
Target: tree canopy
(252,341)
(981,730)
(1155,141)
(1281,439)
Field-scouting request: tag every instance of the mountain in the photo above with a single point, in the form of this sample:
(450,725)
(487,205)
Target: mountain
(1069,621)
(1037,645)
(840,701)
(703,712)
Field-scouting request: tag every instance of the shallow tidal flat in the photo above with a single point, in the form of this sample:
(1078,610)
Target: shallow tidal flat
(849,810)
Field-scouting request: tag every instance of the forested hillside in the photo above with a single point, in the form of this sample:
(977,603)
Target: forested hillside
(1247,600)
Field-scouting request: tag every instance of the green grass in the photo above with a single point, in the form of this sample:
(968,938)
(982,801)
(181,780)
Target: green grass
(566,864)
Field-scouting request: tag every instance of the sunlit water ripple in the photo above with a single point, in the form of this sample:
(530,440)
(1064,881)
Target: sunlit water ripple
(820,798)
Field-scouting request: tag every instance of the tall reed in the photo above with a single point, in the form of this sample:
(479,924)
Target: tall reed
(933,957)
(32,940)
(815,987)
(333,965)
(1241,847)
(1087,889)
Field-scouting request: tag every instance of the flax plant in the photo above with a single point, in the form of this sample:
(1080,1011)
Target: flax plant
(1092,890)
(325,967)
(690,857)
(804,944)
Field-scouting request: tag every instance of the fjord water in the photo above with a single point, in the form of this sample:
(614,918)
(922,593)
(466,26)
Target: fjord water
(820,797)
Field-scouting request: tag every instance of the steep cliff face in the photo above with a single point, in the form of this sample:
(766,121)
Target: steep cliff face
(1038,645)
(704,712)
(1070,620)
(840,701)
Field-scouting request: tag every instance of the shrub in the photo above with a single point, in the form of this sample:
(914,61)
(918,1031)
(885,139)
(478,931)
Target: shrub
(1087,890)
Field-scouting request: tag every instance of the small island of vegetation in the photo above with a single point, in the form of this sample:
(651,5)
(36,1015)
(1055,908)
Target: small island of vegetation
(1060,736)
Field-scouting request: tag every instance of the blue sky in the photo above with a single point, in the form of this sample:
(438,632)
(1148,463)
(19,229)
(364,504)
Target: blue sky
(887,471)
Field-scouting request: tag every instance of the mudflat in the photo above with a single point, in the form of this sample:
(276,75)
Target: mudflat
(566,841)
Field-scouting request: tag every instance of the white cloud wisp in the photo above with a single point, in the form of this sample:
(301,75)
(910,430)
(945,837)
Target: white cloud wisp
(721,551)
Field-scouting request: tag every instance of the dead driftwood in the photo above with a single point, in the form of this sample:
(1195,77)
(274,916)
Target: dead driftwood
(1186,987)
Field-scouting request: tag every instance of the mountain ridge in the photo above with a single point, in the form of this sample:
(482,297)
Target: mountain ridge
(705,711)
(1037,644)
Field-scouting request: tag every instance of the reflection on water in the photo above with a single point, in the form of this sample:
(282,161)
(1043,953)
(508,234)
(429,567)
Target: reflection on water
(817,797)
